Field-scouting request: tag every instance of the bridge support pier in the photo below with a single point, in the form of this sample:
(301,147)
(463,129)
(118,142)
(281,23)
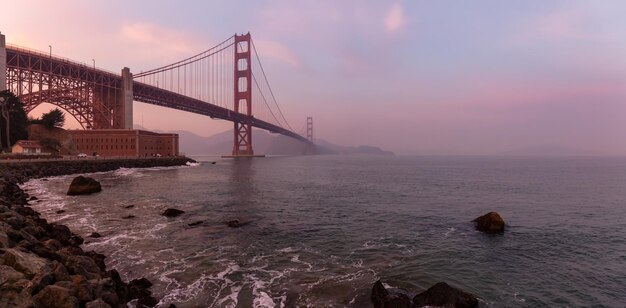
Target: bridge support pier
(3,63)
(243,96)
(126,100)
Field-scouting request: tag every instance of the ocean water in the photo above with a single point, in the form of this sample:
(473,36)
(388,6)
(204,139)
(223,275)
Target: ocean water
(323,229)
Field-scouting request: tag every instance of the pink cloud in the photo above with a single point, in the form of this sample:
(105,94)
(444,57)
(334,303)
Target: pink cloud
(276,51)
(395,18)
(159,37)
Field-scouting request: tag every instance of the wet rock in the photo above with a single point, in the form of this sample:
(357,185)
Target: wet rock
(490,223)
(26,211)
(95,235)
(106,290)
(98,258)
(235,223)
(141,282)
(56,296)
(83,186)
(195,223)
(172,212)
(443,295)
(383,298)
(147,302)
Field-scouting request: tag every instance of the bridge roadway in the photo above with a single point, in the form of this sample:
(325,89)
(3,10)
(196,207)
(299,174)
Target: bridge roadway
(25,59)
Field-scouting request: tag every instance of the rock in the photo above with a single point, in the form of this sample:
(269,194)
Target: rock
(98,258)
(128,216)
(490,223)
(129,206)
(84,292)
(95,235)
(12,298)
(41,280)
(83,265)
(60,272)
(384,299)
(443,295)
(97,304)
(43,251)
(106,289)
(56,296)
(235,223)
(9,275)
(32,198)
(60,211)
(27,263)
(147,302)
(4,240)
(172,212)
(83,186)
(141,282)
(195,223)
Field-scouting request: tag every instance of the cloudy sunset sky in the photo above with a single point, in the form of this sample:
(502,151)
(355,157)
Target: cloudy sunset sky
(415,77)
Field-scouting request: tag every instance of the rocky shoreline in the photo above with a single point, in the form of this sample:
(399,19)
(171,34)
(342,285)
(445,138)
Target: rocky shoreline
(41,263)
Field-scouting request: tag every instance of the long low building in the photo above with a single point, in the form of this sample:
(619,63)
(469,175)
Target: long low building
(125,142)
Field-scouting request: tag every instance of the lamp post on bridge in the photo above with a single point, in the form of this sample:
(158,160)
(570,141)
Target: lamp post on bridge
(50,51)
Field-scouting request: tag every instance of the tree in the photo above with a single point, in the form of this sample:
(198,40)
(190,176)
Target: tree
(50,144)
(17,119)
(54,118)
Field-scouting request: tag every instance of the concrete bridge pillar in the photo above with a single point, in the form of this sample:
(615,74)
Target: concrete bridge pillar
(3,63)
(126,99)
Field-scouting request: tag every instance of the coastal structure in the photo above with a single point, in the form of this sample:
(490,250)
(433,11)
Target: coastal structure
(26,147)
(125,142)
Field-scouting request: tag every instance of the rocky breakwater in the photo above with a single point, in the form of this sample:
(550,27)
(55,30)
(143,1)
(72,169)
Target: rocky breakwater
(22,171)
(42,263)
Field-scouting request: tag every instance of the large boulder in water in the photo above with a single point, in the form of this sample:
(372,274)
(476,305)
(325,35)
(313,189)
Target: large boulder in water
(443,295)
(383,298)
(82,185)
(172,212)
(490,223)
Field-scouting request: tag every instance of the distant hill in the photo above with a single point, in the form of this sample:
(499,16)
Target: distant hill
(264,143)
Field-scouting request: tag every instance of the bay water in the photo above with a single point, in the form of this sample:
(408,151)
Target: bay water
(322,229)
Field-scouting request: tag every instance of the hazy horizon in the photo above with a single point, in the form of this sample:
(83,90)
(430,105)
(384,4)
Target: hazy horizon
(443,77)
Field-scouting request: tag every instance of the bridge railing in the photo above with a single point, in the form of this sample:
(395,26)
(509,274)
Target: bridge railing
(57,58)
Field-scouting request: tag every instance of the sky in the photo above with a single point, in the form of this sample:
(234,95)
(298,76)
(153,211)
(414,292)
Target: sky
(415,77)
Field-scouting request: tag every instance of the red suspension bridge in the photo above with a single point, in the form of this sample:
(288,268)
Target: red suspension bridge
(221,82)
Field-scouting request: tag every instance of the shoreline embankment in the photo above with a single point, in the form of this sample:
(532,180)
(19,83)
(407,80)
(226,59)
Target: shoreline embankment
(42,263)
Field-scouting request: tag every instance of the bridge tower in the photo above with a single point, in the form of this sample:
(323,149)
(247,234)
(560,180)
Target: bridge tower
(3,63)
(243,96)
(309,128)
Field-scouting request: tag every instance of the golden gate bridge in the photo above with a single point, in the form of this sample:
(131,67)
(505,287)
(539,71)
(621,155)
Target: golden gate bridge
(221,82)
